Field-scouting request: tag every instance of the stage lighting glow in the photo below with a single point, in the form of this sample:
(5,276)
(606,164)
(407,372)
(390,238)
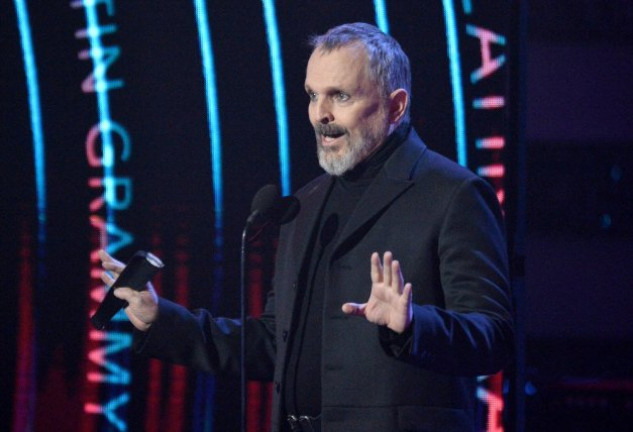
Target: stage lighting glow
(491,171)
(467,6)
(489,392)
(208,69)
(32,83)
(109,410)
(26,365)
(489,65)
(492,143)
(489,102)
(115,374)
(107,369)
(486,151)
(276,67)
(456,82)
(381,15)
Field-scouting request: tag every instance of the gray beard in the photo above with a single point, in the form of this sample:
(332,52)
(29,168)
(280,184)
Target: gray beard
(354,153)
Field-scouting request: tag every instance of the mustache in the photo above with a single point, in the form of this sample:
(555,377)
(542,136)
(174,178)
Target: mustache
(330,130)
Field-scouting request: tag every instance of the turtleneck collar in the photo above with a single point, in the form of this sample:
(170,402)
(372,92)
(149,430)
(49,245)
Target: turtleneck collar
(367,169)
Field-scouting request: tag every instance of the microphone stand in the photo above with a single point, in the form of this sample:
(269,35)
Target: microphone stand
(243,330)
(266,208)
(243,325)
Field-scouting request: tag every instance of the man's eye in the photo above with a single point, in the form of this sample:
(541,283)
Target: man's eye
(342,97)
(312,96)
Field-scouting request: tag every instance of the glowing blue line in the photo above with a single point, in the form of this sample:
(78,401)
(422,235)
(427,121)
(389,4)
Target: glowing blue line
(30,70)
(208,68)
(276,66)
(381,15)
(456,82)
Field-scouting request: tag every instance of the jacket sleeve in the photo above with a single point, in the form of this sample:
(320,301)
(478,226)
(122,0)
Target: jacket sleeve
(472,333)
(197,339)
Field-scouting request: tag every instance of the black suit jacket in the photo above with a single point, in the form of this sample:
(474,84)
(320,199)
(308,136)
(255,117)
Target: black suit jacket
(444,225)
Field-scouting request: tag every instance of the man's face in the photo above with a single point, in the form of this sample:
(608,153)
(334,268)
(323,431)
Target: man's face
(347,108)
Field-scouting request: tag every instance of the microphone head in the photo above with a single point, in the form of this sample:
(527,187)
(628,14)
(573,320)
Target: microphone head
(269,207)
(263,203)
(265,199)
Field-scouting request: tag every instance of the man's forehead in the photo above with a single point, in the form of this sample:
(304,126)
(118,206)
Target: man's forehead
(337,64)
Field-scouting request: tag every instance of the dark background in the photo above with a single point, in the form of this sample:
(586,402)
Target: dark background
(579,256)
(575,118)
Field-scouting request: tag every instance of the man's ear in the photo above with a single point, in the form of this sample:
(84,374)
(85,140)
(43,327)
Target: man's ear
(399,99)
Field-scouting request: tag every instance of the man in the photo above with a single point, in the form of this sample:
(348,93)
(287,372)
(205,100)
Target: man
(349,345)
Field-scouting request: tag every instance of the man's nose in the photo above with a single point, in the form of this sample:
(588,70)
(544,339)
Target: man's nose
(324,111)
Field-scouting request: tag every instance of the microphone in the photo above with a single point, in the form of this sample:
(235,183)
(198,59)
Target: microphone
(137,272)
(270,208)
(263,202)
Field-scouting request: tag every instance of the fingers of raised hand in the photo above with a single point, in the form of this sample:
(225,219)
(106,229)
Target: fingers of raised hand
(376,268)
(387,262)
(354,308)
(397,281)
(407,291)
(387,272)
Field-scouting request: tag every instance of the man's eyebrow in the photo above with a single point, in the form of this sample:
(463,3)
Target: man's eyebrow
(328,90)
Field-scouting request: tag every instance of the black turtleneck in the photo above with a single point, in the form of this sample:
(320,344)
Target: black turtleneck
(303,375)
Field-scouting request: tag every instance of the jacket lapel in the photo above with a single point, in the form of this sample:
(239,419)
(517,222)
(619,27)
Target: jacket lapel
(393,180)
(311,202)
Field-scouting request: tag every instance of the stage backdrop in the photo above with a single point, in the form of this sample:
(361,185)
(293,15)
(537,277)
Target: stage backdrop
(150,125)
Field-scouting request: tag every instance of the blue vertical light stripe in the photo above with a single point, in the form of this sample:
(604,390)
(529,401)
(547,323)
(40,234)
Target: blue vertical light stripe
(276,66)
(30,69)
(381,15)
(456,82)
(208,69)
(32,87)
